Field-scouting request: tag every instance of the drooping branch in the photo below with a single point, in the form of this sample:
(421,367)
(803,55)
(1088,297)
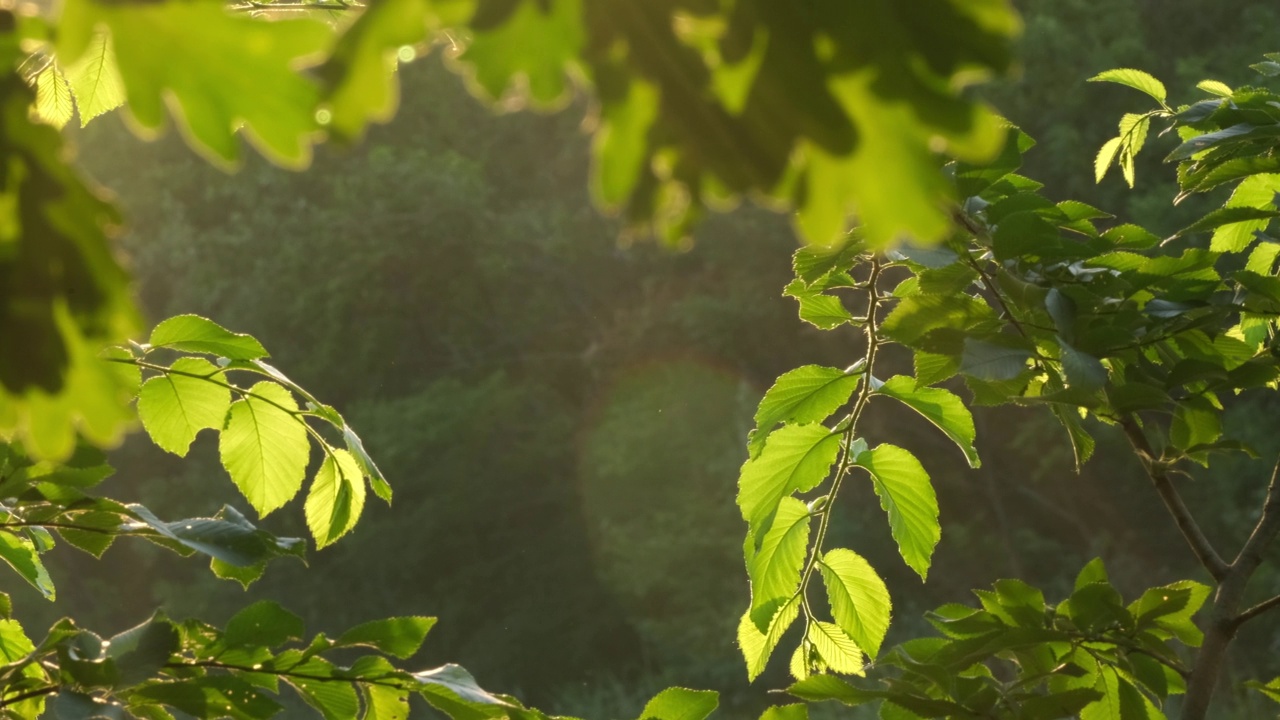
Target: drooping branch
(1195,537)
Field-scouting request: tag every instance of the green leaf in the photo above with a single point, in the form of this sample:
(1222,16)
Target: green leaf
(54,103)
(20,553)
(174,406)
(140,652)
(95,80)
(398,636)
(795,711)
(677,703)
(1215,87)
(333,699)
(775,567)
(1083,371)
(916,316)
(1227,216)
(1256,192)
(193,333)
(757,646)
(813,262)
(1180,622)
(163,53)
(211,696)
(837,649)
(1106,158)
(817,688)
(807,394)
(381,487)
(991,362)
(938,406)
(907,496)
(336,499)
(227,537)
(262,624)
(822,311)
(1135,79)
(795,459)
(1271,689)
(385,703)
(859,599)
(1195,422)
(360,72)
(14,643)
(264,447)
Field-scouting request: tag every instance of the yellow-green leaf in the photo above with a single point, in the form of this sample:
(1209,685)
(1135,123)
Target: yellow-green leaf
(907,496)
(859,599)
(174,406)
(264,447)
(336,499)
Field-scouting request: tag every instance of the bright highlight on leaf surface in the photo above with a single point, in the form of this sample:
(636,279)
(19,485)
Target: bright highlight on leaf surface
(264,447)
(805,395)
(775,567)
(795,459)
(336,498)
(907,496)
(859,599)
(174,406)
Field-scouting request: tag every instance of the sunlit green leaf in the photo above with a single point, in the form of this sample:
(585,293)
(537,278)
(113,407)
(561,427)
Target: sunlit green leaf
(906,494)
(938,406)
(176,405)
(336,498)
(95,80)
(264,447)
(193,333)
(680,704)
(757,646)
(837,649)
(1136,79)
(805,395)
(20,553)
(178,52)
(398,636)
(795,458)
(859,599)
(775,567)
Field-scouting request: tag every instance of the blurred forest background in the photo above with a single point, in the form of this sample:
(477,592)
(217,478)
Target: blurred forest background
(531,386)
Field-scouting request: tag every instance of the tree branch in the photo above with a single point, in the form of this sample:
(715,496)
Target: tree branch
(1195,537)
(1257,610)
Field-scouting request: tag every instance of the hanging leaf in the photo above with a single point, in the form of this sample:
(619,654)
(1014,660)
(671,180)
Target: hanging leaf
(775,567)
(807,394)
(336,499)
(795,458)
(175,405)
(264,447)
(859,599)
(940,407)
(193,333)
(680,704)
(907,496)
(756,645)
(95,80)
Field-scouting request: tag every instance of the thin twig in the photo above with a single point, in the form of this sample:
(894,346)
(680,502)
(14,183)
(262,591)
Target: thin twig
(1257,610)
(1195,537)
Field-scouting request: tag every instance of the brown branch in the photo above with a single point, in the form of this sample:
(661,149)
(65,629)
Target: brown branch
(1257,610)
(1195,537)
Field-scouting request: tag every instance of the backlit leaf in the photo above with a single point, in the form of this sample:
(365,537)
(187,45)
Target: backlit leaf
(775,567)
(795,458)
(1136,79)
(193,333)
(336,498)
(176,405)
(906,494)
(837,649)
(805,395)
(677,703)
(95,80)
(859,599)
(264,447)
(757,646)
(938,406)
